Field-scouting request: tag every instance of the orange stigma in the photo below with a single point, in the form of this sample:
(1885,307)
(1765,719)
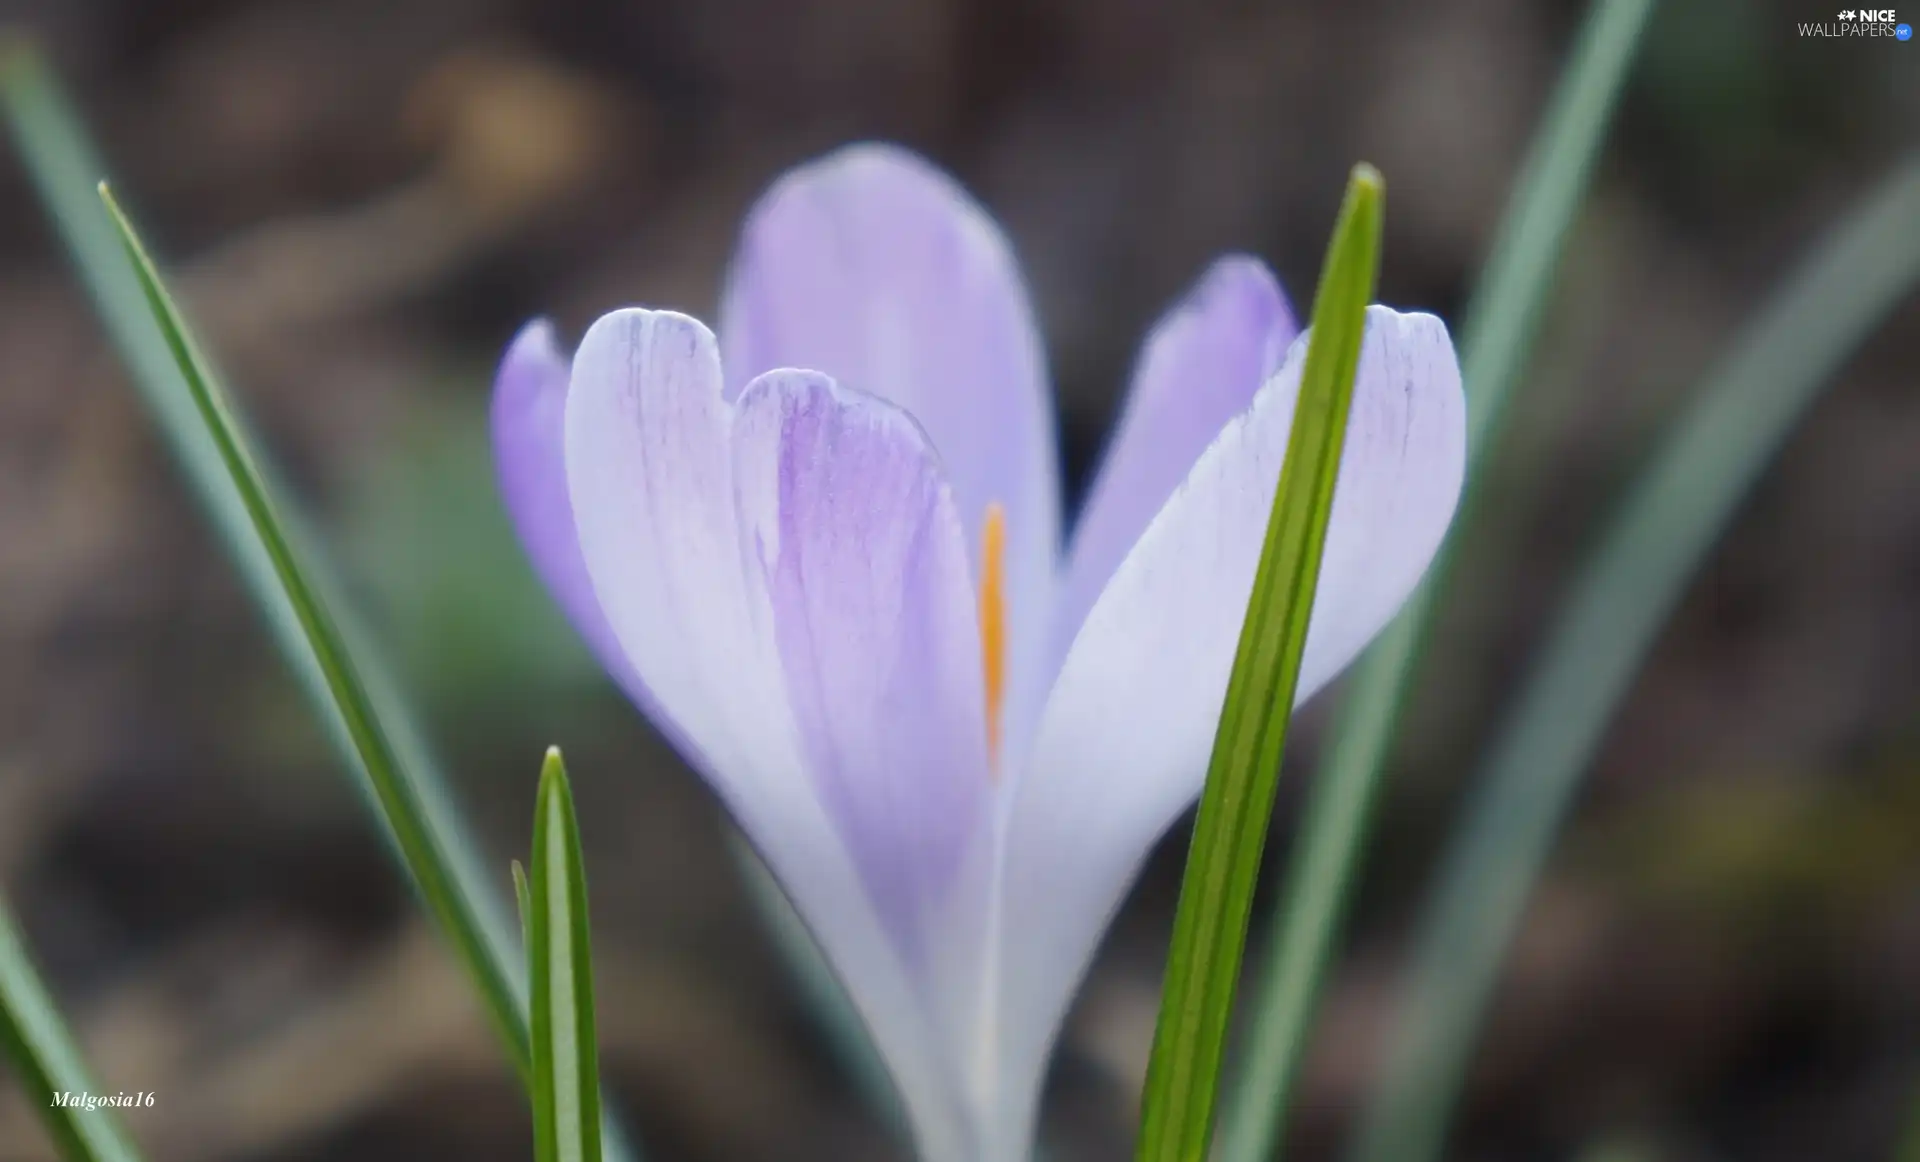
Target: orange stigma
(993,621)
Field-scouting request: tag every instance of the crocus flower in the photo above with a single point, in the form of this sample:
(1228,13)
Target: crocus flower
(822,553)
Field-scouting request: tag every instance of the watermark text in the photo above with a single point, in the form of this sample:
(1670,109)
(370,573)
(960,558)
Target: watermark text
(68,1100)
(1876,22)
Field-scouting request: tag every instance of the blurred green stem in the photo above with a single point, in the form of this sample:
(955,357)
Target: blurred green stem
(1674,513)
(46,1060)
(1495,343)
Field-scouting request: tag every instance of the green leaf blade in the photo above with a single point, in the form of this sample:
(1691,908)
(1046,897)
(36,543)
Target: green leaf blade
(47,1062)
(566,1069)
(1673,515)
(1229,833)
(400,801)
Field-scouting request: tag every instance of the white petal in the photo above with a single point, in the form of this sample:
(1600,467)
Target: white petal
(1123,745)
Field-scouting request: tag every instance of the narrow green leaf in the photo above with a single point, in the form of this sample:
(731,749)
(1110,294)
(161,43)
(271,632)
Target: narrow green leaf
(566,1063)
(46,1060)
(65,168)
(1674,513)
(524,902)
(1216,893)
(400,801)
(1496,340)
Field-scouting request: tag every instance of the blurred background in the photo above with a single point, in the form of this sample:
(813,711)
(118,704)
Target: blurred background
(362,199)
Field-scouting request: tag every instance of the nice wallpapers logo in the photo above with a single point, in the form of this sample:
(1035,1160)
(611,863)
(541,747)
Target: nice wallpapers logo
(1861,22)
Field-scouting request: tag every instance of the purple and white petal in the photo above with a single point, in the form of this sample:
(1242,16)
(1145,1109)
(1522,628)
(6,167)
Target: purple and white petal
(1123,746)
(851,523)
(527,421)
(854,532)
(1199,367)
(649,472)
(873,266)
(666,483)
